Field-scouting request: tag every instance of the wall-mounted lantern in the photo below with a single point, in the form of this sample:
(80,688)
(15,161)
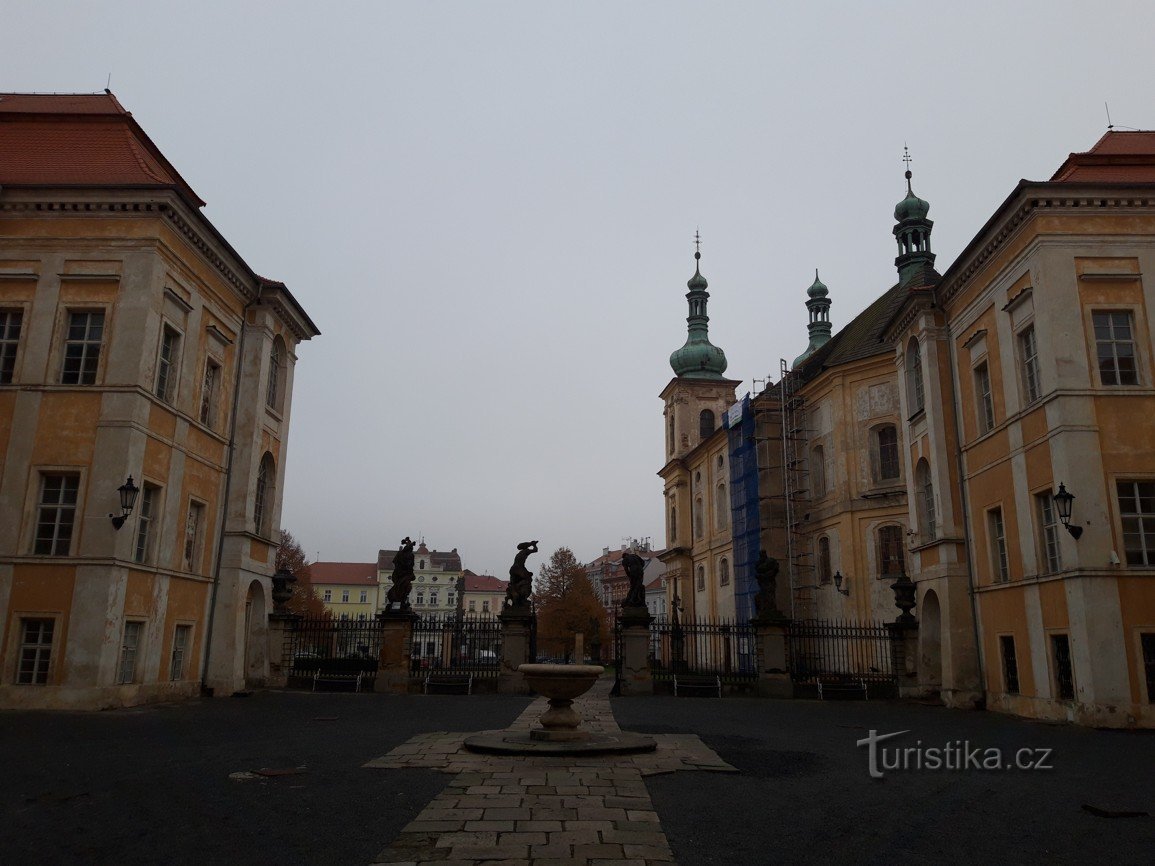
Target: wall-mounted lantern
(128,493)
(1063,500)
(838,578)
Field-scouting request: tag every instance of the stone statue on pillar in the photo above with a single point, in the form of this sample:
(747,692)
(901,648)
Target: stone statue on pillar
(635,568)
(766,601)
(520,577)
(402,576)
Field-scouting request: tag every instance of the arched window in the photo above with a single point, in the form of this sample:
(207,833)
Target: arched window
(925,493)
(824,571)
(701,578)
(706,423)
(721,507)
(699,528)
(673,523)
(421,564)
(670,434)
(724,572)
(914,392)
(275,392)
(885,453)
(818,472)
(890,550)
(263,498)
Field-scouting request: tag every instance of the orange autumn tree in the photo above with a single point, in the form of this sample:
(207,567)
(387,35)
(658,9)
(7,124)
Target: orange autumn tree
(291,555)
(566,604)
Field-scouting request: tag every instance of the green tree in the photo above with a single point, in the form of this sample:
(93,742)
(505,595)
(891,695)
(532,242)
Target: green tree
(566,604)
(291,556)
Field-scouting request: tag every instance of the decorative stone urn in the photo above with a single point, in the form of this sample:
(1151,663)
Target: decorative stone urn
(560,684)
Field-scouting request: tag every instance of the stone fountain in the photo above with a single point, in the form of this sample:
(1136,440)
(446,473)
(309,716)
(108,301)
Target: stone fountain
(561,732)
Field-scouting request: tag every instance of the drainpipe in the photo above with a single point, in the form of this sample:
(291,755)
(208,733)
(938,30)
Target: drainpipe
(224,510)
(967,537)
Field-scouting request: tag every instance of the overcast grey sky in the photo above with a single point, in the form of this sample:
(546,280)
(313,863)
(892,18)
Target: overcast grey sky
(488,209)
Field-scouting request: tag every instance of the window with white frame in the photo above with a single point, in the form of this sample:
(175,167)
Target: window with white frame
(997,537)
(926,509)
(1137,510)
(364,596)
(885,452)
(167,364)
(35,651)
(1115,347)
(146,514)
(194,535)
(10,321)
(209,387)
(82,347)
(129,649)
(328,595)
(433,597)
(915,396)
(1051,555)
(450,599)
(1029,358)
(420,597)
(472,605)
(181,637)
(485,606)
(986,404)
(345,596)
(56,513)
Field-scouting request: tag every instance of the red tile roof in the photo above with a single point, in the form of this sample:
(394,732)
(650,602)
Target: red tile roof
(360,573)
(484,583)
(80,140)
(1117,157)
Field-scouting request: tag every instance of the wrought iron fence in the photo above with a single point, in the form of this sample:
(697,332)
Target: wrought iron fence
(317,642)
(456,644)
(722,648)
(836,649)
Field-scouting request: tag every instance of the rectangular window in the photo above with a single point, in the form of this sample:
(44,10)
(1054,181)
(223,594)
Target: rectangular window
(998,541)
(1137,509)
(328,596)
(1147,642)
(144,519)
(10,321)
(82,348)
(1049,533)
(1010,664)
(344,595)
(986,405)
(364,596)
(420,598)
(433,597)
(209,393)
(485,606)
(193,536)
(35,651)
(1061,656)
(450,598)
(128,651)
(1115,347)
(167,365)
(472,605)
(888,453)
(180,642)
(890,550)
(56,514)
(1029,354)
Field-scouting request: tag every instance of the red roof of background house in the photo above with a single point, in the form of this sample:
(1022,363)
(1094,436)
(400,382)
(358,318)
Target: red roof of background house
(80,140)
(656,583)
(484,583)
(1117,157)
(360,573)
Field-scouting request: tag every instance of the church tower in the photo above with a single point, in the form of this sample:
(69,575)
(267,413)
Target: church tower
(912,231)
(818,305)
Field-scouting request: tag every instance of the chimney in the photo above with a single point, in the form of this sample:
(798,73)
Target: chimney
(605,551)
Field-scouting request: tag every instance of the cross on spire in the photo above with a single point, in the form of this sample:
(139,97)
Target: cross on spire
(906,158)
(697,244)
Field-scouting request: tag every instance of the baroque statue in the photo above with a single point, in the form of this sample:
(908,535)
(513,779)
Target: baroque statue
(635,567)
(520,577)
(402,576)
(765,602)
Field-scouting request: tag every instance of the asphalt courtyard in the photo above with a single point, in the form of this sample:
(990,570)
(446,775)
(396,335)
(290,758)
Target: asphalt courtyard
(281,778)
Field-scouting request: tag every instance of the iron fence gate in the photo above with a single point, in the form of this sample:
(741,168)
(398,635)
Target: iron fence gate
(452,643)
(715,648)
(325,646)
(828,650)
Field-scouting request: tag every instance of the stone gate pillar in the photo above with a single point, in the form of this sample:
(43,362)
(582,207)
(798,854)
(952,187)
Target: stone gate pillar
(396,648)
(281,626)
(904,656)
(516,623)
(771,632)
(636,677)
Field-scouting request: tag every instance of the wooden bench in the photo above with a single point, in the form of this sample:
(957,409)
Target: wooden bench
(321,672)
(699,685)
(448,681)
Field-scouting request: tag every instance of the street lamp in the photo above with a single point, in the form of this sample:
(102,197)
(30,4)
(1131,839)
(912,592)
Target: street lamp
(128,492)
(838,584)
(1063,500)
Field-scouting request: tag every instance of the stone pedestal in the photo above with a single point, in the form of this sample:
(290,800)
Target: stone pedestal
(904,656)
(396,643)
(281,625)
(770,635)
(516,622)
(636,677)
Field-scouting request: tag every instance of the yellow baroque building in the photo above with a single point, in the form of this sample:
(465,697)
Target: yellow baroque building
(137,350)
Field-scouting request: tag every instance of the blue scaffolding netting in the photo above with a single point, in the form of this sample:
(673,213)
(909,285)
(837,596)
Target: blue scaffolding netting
(744,508)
